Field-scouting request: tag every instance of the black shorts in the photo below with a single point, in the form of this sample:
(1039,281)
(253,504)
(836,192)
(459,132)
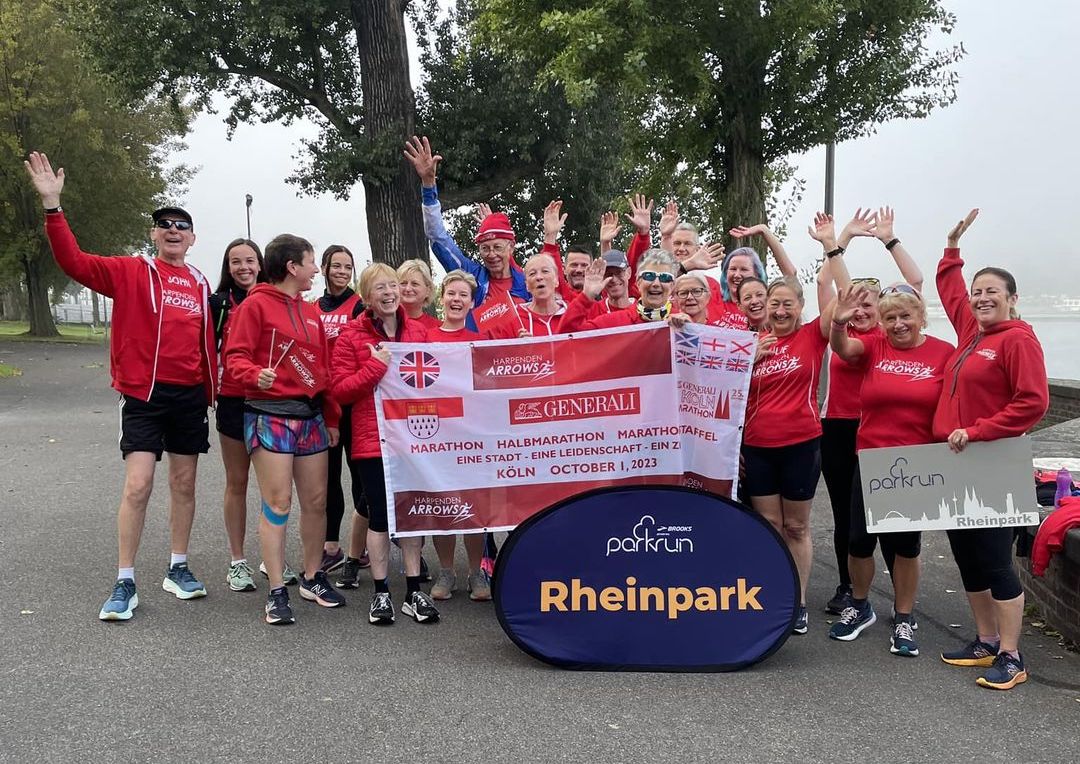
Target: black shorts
(374,482)
(173,420)
(229,416)
(790,471)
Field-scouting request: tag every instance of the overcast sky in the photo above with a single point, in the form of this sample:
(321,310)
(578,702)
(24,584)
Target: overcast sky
(1008,146)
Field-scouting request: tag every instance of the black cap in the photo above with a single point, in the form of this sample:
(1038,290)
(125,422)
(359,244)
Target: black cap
(174,211)
(615,258)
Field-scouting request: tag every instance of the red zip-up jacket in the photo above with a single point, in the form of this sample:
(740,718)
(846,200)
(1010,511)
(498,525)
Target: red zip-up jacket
(135,286)
(270,329)
(356,372)
(576,318)
(995,381)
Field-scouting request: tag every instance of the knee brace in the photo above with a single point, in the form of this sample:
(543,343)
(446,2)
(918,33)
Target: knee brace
(273,517)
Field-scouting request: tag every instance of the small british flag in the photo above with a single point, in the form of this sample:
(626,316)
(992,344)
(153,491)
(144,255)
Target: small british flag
(686,358)
(711,362)
(419,369)
(738,364)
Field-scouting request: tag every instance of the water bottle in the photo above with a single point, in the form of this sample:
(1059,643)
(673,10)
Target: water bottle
(1064,486)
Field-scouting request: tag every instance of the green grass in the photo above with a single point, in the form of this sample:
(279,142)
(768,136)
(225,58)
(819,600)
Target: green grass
(7,370)
(83,333)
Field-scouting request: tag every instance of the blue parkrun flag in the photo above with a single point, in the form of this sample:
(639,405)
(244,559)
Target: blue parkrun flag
(656,578)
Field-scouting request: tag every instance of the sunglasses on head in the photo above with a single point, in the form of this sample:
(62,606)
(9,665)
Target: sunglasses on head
(901,289)
(651,276)
(871,282)
(179,225)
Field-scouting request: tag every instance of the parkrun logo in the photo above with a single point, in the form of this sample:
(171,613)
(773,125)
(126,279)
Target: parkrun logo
(900,479)
(557,408)
(648,537)
(673,600)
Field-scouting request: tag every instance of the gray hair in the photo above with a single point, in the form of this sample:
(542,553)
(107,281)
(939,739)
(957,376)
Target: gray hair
(684,226)
(659,257)
(791,282)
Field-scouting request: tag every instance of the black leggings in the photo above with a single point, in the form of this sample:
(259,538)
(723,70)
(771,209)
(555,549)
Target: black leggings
(861,543)
(374,481)
(335,495)
(984,557)
(838,463)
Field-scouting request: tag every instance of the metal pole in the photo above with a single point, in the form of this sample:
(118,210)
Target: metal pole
(830,176)
(247,202)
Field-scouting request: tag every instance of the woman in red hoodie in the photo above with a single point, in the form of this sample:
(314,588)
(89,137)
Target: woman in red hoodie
(995,387)
(278,352)
(360,360)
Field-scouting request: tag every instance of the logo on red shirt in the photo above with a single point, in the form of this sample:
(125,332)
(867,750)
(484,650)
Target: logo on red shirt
(915,370)
(988,353)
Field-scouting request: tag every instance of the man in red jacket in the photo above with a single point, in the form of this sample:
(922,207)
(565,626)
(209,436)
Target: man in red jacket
(163,363)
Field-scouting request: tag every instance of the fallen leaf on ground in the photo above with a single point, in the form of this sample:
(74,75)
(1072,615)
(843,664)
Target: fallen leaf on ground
(950,591)
(26,612)
(955,625)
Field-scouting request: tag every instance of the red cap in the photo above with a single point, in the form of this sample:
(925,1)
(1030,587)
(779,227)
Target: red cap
(495,226)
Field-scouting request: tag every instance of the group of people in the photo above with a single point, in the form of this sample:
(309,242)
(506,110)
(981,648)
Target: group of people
(294,397)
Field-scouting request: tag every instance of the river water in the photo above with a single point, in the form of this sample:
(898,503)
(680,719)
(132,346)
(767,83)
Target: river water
(1060,339)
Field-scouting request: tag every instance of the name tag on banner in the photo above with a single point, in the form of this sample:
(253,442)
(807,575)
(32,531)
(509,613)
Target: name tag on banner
(930,488)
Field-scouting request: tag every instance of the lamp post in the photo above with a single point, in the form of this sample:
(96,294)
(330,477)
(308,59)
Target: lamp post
(247,203)
(830,175)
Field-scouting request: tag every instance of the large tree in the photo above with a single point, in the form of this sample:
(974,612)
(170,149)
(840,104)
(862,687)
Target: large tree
(724,90)
(53,99)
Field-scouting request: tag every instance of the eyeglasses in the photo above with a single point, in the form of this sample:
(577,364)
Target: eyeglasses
(901,289)
(651,276)
(179,225)
(869,282)
(682,294)
(496,249)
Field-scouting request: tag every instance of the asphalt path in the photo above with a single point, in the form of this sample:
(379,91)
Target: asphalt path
(207,680)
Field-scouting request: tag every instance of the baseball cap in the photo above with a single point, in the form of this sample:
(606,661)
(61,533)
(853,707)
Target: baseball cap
(615,258)
(174,211)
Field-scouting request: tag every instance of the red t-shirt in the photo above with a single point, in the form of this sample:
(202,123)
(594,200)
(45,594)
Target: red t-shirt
(438,334)
(726,314)
(333,321)
(179,362)
(782,406)
(844,382)
(900,391)
(497,304)
(428,321)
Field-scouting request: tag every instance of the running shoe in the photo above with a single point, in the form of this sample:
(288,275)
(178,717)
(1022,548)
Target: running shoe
(180,581)
(420,607)
(318,589)
(288,576)
(1004,674)
(903,640)
(381,610)
(974,653)
(349,577)
(840,600)
(121,603)
(852,622)
(914,623)
(277,608)
(445,582)
(239,578)
(425,574)
(802,623)
(331,562)
(479,586)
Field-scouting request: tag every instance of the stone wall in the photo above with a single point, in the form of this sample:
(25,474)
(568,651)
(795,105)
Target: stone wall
(1057,592)
(1064,402)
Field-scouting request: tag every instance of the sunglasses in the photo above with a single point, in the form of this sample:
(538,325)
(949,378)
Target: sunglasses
(651,276)
(870,282)
(901,289)
(682,294)
(179,225)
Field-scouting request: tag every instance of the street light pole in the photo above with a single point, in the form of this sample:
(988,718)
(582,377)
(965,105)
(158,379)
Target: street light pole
(830,175)
(247,202)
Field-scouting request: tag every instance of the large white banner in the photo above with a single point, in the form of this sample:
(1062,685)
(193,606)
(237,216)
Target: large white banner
(479,436)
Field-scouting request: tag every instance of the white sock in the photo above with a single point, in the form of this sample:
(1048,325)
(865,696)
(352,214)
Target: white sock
(176,559)
(125,573)
(237,562)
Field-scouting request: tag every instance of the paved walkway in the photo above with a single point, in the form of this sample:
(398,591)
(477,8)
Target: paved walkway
(207,681)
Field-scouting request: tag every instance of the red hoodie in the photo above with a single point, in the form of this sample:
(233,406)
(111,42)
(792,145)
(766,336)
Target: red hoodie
(995,381)
(576,319)
(356,372)
(273,330)
(136,286)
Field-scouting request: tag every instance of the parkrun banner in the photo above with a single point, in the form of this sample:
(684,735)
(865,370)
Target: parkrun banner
(479,436)
(647,579)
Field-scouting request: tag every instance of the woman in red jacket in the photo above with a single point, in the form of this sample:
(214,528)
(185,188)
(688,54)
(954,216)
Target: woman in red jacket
(360,360)
(995,387)
(276,349)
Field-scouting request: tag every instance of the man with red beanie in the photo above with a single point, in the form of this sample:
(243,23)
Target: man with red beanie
(163,363)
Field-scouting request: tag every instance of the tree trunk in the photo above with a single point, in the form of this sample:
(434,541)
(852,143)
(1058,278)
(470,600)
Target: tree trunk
(95,319)
(395,222)
(37,294)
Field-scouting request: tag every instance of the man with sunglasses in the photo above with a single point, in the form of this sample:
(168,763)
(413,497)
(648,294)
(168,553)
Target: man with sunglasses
(163,362)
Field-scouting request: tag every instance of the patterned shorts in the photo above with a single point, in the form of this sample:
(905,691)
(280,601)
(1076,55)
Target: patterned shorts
(280,435)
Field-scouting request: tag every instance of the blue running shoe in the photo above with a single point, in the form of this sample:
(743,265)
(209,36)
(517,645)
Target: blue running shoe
(1006,673)
(121,603)
(318,589)
(852,622)
(277,608)
(802,623)
(903,640)
(180,581)
(974,653)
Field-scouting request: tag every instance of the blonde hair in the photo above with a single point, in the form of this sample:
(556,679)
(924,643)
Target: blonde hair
(371,274)
(791,282)
(894,300)
(458,275)
(417,266)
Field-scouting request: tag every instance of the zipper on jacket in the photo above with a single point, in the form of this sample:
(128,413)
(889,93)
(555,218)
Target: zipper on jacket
(960,361)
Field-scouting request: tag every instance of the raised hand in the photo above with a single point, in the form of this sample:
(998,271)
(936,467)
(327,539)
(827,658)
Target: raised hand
(47,183)
(595,281)
(418,152)
(742,231)
(823,230)
(379,352)
(609,228)
(862,224)
(959,229)
(848,301)
(669,219)
(885,219)
(707,256)
(481,211)
(640,213)
(554,220)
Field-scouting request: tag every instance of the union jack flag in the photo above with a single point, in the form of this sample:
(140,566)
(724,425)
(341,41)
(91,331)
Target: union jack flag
(686,358)
(738,364)
(711,362)
(419,369)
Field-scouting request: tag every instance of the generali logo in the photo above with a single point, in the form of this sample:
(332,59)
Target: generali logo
(584,405)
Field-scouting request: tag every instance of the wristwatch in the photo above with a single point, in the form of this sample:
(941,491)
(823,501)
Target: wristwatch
(53,210)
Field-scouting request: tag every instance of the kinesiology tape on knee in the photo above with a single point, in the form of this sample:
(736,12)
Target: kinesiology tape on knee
(273,517)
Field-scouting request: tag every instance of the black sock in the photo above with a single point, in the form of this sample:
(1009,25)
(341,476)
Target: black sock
(381,586)
(412,584)
(903,617)
(279,590)
(858,604)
